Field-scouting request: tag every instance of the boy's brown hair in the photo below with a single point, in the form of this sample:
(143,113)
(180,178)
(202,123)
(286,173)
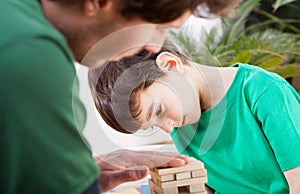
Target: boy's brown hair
(116,87)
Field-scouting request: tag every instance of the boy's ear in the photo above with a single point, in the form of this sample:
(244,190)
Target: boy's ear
(92,7)
(167,61)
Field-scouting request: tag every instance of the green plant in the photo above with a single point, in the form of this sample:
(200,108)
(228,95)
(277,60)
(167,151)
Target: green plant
(269,14)
(266,47)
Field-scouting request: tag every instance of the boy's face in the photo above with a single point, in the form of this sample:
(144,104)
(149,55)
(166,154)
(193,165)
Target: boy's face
(170,102)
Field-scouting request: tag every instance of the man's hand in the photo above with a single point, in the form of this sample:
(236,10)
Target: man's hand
(125,165)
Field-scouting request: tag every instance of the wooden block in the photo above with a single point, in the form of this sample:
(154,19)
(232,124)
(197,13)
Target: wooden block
(196,188)
(186,192)
(163,178)
(154,192)
(155,180)
(168,177)
(183,190)
(152,170)
(129,191)
(183,175)
(191,166)
(157,189)
(185,182)
(153,187)
(170,191)
(199,173)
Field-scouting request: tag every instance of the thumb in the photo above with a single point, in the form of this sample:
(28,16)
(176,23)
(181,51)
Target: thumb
(111,179)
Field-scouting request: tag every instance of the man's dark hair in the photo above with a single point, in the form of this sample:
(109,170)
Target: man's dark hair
(161,11)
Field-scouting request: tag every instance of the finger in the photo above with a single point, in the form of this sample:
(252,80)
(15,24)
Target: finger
(173,163)
(161,159)
(109,166)
(128,158)
(171,155)
(111,179)
(183,157)
(106,165)
(157,153)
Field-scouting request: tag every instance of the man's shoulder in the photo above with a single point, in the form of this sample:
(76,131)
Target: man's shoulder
(29,41)
(24,20)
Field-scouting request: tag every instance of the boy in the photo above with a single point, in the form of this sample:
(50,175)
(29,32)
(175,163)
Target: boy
(241,121)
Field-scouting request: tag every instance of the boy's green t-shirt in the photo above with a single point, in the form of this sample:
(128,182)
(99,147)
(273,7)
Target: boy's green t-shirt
(42,148)
(250,137)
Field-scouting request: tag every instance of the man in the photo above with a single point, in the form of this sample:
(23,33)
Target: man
(42,150)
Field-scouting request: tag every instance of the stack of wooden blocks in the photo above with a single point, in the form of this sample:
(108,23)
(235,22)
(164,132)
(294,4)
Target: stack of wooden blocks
(190,178)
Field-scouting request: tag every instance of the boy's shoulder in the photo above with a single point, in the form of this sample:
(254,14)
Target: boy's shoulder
(255,80)
(254,74)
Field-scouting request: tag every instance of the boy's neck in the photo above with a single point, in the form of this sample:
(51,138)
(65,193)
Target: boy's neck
(213,83)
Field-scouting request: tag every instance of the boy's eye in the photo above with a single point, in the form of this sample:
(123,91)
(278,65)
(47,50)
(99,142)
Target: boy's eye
(158,110)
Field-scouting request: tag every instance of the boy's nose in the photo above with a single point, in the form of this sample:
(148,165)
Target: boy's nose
(168,125)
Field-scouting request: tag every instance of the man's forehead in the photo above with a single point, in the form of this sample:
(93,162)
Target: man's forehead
(109,47)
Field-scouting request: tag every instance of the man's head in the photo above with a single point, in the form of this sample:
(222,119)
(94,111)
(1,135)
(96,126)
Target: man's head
(145,90)
(86,22)
(162,11)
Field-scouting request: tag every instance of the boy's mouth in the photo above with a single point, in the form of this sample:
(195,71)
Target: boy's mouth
(183,121)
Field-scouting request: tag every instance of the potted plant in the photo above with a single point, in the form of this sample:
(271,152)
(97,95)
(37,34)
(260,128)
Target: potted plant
(273,47)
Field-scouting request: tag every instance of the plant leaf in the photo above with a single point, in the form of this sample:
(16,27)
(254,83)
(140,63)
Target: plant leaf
(280,3)
(243,57)
(233,28)
(273,62)
(286,71)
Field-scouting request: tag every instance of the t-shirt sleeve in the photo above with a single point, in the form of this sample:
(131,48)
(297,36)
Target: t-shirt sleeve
(278,112)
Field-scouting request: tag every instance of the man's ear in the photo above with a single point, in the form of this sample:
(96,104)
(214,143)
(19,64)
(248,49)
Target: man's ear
(92,7)
(167,61)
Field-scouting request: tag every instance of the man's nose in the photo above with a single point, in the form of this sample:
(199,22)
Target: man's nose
(154,48)
(157,40)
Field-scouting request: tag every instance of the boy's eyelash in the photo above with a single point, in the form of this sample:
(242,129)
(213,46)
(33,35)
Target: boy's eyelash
(158,110)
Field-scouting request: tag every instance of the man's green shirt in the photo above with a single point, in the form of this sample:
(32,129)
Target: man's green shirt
(42,149)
